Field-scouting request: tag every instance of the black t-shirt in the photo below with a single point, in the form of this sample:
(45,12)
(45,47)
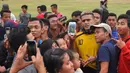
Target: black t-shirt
(2,33)
(3,54)
(47,44)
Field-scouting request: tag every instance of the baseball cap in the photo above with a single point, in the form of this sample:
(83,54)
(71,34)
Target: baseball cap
(102,25)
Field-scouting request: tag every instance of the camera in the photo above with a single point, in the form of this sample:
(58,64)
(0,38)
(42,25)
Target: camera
(31,48)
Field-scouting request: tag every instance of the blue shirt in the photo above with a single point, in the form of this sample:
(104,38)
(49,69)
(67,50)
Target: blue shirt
(108,52)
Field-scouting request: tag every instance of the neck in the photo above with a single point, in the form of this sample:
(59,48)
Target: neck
(56,12)
(37,39)
(25,12)
(106,40)
(54,33)
(44,37)
(125,36)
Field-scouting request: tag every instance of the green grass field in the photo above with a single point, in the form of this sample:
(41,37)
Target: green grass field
(66,7)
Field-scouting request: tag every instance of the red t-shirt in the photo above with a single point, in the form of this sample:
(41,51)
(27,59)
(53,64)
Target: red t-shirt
(40,15)
(124,59)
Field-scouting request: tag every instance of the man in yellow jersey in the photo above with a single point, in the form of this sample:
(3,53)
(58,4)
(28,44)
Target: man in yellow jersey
(85,43)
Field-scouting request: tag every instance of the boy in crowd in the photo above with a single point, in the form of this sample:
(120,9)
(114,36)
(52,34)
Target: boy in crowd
(123,27)
(24,16)
(54,9)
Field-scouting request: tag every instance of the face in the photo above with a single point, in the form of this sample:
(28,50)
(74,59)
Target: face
(53,23)
(35,28)
(76,61)
(67,39)
(53,9)
(6,16)
(97,18)
(122,26)
(67,66)
(112,21)
(87,20)
(100,35)
(38,10)
(24,9)
(62,43)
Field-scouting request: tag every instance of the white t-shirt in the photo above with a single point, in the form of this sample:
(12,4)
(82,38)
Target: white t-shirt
(13,17)
(78,71)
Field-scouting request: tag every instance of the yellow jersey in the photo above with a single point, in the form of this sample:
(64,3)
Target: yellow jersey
(85,44)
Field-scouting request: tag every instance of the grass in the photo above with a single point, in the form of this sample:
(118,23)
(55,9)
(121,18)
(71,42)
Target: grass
(66,7)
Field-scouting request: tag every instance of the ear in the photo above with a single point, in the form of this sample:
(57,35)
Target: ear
(42,30)
(46,28)
(106,34)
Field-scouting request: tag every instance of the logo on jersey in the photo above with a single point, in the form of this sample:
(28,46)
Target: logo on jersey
(80,42)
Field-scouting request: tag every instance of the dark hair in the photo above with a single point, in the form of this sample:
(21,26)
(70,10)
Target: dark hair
(53,59)
(71,54)
(43,8)
(54,5)
(38,6)
(18,36)
(46,22)
(112,14)
(46,14)
(97,11)
(24,6)
(54,41)
(128,12)
(76,13)
(3,11)
(125,16)
(36,19)
(51,16)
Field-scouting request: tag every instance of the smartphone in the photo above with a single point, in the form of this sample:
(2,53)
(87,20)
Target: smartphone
(7,30)
(115,35)
(31,48)
(72,28)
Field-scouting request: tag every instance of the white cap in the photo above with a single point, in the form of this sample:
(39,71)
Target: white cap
(102,25)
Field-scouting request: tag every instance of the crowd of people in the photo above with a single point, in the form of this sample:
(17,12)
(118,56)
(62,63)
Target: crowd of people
(44,44)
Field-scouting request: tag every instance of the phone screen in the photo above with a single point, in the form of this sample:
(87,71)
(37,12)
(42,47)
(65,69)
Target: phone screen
(31,48)
(72,28)
(7,29)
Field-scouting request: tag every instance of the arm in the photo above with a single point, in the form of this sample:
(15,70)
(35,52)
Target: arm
(104,67)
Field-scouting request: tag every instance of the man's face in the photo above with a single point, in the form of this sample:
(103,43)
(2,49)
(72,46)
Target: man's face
(112,21)
(38,10)
(53,9)
(35,28)
(100,35)
(24,9)
(79,22)
(122,26)
(87,20)
(97,18)
(6,16)
(53,23)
